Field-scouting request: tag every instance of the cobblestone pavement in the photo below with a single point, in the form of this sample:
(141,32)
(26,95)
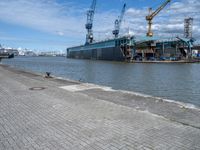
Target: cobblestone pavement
(74,116)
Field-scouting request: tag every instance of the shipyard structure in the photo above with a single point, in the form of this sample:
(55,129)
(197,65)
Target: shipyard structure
(131,49)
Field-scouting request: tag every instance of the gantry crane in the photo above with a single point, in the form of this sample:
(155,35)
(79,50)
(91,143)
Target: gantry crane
(118,22)
(89,23)
(151,15)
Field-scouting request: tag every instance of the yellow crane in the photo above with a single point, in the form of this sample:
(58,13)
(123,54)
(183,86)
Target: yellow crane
(151,15)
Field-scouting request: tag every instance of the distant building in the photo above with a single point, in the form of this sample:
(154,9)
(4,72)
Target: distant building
(197,47)
(13,51)
(51,53)
(26,52)
(9,51)
(30,53)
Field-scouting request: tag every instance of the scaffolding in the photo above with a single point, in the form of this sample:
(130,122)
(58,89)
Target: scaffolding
(188,25)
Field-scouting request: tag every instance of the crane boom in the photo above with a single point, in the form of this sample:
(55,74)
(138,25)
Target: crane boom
(93,5)
(89,23)
(151,15)
(118,22)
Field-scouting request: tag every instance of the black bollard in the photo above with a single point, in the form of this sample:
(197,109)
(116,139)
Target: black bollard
(48,75)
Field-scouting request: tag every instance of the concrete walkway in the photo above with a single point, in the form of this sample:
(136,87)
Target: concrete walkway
(75,116)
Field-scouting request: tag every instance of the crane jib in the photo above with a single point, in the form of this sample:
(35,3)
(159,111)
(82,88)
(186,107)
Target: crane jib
(151,15)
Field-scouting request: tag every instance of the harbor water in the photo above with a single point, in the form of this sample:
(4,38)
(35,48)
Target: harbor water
(180,82)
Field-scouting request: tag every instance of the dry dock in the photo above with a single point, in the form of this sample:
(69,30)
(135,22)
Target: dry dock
(50,113)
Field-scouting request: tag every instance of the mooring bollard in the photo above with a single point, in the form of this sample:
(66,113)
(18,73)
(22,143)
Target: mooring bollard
(48,75)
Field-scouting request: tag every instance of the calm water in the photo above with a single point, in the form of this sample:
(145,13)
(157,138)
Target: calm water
(173,81)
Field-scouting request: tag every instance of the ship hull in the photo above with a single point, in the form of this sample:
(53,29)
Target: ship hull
(6,55)
(112,54)
(117,49)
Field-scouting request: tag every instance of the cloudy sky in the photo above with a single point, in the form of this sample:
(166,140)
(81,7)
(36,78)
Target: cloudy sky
(57,24)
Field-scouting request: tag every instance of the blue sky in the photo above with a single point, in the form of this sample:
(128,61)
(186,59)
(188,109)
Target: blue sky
(57,24)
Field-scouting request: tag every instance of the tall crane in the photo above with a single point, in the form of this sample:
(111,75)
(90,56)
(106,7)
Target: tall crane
(151,15)
(118,22)
(89,23)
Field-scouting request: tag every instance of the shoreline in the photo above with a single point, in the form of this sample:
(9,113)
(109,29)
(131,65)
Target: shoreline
(152,101)
(107,88)
(187,105)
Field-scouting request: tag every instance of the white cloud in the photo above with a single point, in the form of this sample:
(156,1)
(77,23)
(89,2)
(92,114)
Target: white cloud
(169,22)
(69,19)
(60,33)
(43,15)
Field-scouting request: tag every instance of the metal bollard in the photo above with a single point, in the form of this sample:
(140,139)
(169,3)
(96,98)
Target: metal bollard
(48,75)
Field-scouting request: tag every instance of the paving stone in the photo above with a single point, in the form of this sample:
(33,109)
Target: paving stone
(90,118)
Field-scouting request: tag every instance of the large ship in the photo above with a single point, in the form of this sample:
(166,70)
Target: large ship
(6,53)
(128,48)
(118,49)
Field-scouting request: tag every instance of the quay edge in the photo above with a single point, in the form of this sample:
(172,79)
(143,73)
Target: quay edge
(89,114)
